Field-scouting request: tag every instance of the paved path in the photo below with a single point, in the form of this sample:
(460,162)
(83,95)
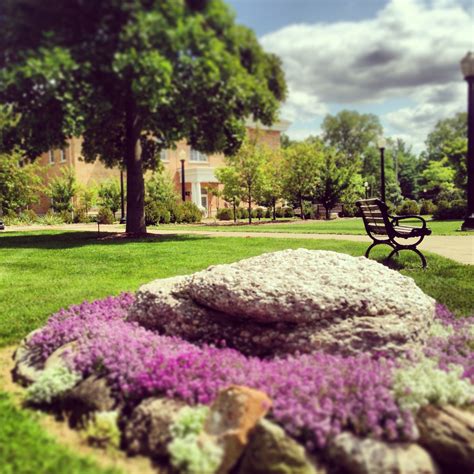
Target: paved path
(460,249)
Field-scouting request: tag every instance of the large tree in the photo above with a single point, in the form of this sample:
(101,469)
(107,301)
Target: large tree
(350,133)
(133,77)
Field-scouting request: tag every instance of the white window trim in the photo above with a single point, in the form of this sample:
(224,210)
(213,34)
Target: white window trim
(51,156)
(193,152)
(62,155)
(164,155)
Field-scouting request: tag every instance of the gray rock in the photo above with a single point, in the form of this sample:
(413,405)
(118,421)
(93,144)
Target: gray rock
(448,434)
(56,359)
(288,301)
(271,451)
(353,455)
(91,395)
(147,431)
(28,361)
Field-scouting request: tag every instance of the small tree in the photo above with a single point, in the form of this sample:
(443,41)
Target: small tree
(62,190)
(301,168)
(248,164)
(160,189)
(19,185)
(334,180)
(232,192)
(110,195)
(272,183)
(87,197)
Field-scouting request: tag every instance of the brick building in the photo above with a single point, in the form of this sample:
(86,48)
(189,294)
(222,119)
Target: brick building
(199,176)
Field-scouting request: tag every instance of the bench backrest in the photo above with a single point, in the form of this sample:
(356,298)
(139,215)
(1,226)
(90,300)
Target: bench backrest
(375,215)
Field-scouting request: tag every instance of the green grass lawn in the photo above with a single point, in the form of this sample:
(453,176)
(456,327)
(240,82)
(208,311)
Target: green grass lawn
(40,272)
(348,226)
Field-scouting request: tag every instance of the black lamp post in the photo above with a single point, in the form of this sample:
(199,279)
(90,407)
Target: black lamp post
(467,67)
(381,144)
(182,156)
(122,200)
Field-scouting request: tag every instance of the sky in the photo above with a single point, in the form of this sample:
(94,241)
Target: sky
(398,59)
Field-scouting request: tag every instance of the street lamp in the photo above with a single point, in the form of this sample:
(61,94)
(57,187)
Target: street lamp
(366,186)
(182,156)
(381,143)
(467,68)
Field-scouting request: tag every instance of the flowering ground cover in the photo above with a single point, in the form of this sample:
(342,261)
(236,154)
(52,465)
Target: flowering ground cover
(315,396)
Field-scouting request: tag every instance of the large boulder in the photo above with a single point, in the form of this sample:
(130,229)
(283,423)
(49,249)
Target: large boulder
(288,301)
(28,361)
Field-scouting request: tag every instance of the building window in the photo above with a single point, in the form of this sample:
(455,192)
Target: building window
(198,156)
(164,155)
(62,154)
(51,156)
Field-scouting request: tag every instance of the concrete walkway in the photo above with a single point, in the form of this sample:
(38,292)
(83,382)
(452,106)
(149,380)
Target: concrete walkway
(460,249)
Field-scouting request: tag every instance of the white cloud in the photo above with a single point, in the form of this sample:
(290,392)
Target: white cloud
(411,49)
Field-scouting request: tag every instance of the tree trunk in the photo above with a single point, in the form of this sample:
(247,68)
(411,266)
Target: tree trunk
(235,212)
(327,208)
(250,204)
(301,207)
(274,205)
(135,180)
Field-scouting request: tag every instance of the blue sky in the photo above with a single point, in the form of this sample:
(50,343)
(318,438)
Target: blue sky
(398,59)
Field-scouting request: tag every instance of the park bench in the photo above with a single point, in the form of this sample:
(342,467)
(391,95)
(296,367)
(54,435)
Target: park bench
(385,229)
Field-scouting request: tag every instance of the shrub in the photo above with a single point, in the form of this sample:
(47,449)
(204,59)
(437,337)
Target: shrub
(453,194)
(67,217)
(427,207)
(51,384)
(23,218)
(225,214)
(268,213)
(103,431)
(408,208)
(288,212)
(259,213)
(51,218)
(242,213)
(190,212)
(350,210)
(105,216)
(450,210)
(81,216)
(280,212)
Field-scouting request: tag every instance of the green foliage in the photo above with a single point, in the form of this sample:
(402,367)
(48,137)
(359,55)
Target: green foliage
(156,213)
(164,71)
(51,384)
(23,218)
(334,180)
(87,198)
(229,177)
(160,189)
(50,218)
(425,383)
(427,207)
(438,175)
(109,195)
(408,207)
(62,190)
(105,216)
(259,213)
(190,213)
(187,454)
(19,185)
(103,430)
(25,447)
(350,133)
(301,171)
(450,210)
(81,216)
(225,214)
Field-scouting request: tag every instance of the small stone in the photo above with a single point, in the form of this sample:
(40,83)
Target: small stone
(56,359)
(233,415)
(353,455)
(448,434)
(272,451)
(147,431)
(91,395)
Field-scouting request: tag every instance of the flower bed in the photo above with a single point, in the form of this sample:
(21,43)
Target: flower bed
(315,396)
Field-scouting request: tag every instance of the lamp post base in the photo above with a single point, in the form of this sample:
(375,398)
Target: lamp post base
(468,223)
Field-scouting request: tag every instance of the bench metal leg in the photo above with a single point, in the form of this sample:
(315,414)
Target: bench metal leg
(373,244)
(422,257)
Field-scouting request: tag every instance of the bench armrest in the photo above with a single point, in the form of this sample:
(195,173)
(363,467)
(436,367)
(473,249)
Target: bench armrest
(395,219)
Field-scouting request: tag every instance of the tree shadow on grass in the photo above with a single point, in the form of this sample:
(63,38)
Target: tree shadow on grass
(55,240)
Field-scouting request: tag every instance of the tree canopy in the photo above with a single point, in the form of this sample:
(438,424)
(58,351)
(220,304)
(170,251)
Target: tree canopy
(133,78)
